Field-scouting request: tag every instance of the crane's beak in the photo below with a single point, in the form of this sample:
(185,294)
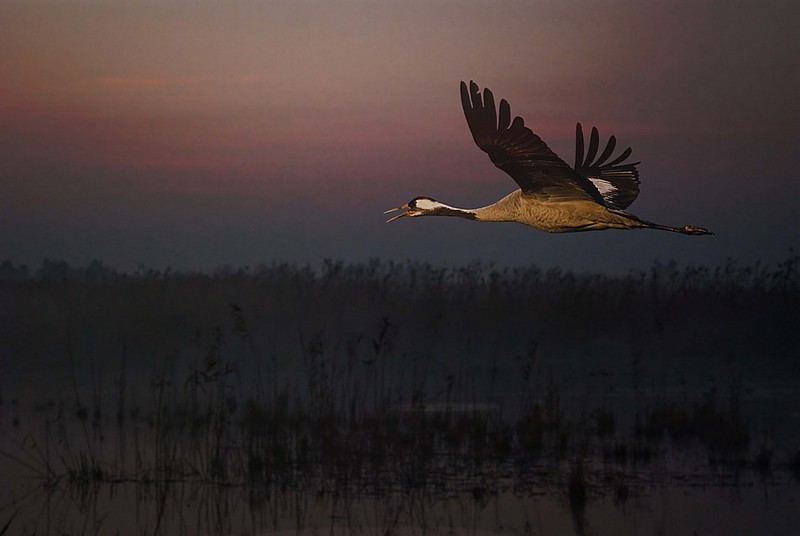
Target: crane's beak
(403,207)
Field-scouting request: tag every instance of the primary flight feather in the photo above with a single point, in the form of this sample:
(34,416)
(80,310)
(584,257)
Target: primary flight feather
(552,196)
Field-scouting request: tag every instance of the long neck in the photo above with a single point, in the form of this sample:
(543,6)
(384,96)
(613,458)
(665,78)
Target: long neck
(446,210)
(501,210)
(487,213)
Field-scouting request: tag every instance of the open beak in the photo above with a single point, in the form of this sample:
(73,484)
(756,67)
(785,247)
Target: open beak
(403,207)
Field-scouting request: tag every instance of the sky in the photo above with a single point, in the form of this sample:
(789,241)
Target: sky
(196,134)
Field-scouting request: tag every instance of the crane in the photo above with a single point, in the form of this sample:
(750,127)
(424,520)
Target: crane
(552,196)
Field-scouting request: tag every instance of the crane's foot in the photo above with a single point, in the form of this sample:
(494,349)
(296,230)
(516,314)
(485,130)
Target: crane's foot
(692,230)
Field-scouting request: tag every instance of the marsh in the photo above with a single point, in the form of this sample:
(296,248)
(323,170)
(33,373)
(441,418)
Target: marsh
(391,398)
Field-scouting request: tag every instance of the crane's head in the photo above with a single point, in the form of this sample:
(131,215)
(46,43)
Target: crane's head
(419,206)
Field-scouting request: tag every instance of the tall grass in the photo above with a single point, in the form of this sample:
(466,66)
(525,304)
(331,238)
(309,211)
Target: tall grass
(406,381)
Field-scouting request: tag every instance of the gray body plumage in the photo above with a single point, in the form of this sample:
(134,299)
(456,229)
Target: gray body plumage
(567,216)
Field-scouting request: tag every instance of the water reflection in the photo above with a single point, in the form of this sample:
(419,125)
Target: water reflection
(184,508)
(202,457)
(520,402)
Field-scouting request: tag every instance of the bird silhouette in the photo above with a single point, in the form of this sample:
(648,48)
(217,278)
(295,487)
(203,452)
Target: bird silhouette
(552,196)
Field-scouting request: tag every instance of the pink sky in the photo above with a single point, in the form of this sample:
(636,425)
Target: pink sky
(109,106)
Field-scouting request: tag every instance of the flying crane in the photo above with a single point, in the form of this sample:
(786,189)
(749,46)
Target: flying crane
(552,196)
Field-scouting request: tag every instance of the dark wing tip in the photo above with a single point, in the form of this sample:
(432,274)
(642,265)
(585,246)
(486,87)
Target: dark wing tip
(625,154)
(504,119)
(578,146)
(610,145)
(594,143)
(480,112)
(465,102)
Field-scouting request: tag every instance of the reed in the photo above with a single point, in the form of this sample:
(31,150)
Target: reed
(402,383)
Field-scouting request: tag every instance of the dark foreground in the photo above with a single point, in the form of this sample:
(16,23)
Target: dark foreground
(386,398)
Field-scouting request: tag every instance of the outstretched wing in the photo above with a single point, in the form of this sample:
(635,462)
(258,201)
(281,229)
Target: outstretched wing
(515,149)
(618,183)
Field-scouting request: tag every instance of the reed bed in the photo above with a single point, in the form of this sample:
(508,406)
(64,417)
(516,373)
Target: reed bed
(405,382)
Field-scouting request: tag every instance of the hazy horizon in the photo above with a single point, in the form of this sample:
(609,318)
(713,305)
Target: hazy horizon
(195,135)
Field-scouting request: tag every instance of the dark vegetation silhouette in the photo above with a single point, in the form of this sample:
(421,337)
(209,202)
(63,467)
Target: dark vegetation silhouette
(403,385)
